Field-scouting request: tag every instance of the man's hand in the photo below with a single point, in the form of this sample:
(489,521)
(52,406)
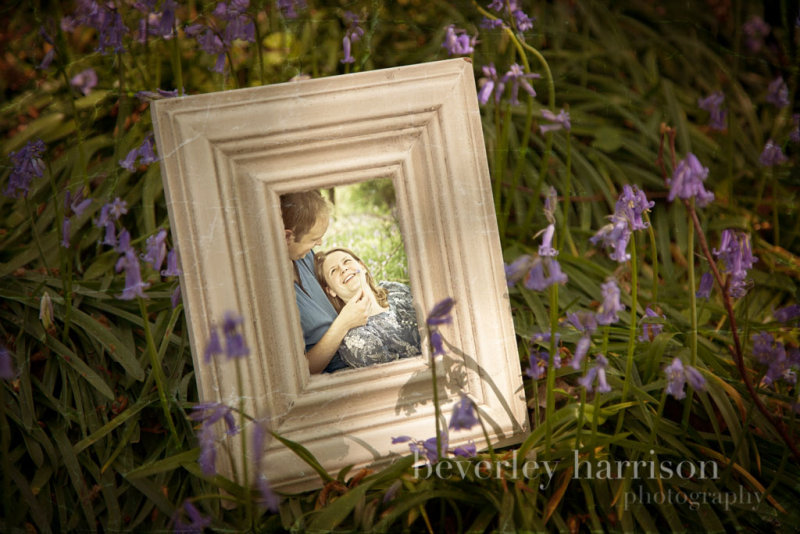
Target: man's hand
(354,312)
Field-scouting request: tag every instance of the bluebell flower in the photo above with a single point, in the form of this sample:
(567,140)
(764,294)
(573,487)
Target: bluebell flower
(123,242)
(517,269)
(490,83)
(581,349)
(209,413)
(158,94)
(6,364)
(560,121)
(353,33)
(678,375)
(538,361)
(772,155)
(546,248)
(705,286)
(787,313)
(518,78)
(235,346)
(611,304)
(111,212)
(289,8)
(463,417)
(213,347)
(346,48)
(466,451)
(437,344)
(134,287)
(401,439)
(143,154)
(713,104)
(440,314)
(392,490)
(583,321)
(208,450)
(778,93)
(491,24)
(614,236)
(175,298)
(65,231)
(755,29)
(738,258)
(687,181)
(457,42)
(172,265)
(631,206)
(156,249)
(156,23)
(84,81)
(598,373)
(28,165)
(536,278)
(522,20)
(76,204)
(781,363)
(197,523)
(794,135)
(650,330)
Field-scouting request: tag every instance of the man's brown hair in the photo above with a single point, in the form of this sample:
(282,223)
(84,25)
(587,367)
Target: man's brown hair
(300,211)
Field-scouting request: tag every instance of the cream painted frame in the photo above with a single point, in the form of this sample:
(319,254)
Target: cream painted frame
(225,159)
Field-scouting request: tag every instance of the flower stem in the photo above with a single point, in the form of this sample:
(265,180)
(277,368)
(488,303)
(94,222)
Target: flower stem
(687,407)
(631,331)
(245,468)
(436,408)
(551,369)
(158,372)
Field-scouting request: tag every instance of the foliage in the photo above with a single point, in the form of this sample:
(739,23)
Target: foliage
(96,389)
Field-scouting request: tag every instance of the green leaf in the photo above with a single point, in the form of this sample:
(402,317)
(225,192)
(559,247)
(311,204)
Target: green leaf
(118,350)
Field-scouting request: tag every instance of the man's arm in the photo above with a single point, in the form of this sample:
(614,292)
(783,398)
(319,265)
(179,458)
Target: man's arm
(352,315)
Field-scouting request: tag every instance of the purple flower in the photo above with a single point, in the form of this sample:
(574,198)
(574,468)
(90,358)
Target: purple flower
(172,265)
(235,346)
(428,447)
(401,439)
(111,212)
(457,42)
(209,413)
(491,24)
(436,343)
(650,330)
(76,204)
(678,375)
(615,236)
(346,49)
(267,497)
(208,450)
(778,93)
(580,351)
(705,287)
(197,524)
(47,59)
(517,269)
(597,372)
(156,249)
(734,250)
(794,135)
(584,321)
(123,242)
(546,248)
(84,81)
(611,305)
(713,104)
(499,5)
(463,417)
(28,165)
(522,21)
(159,24)
(772,155)
(6,365)
(289,8)
(536,278)
(631,205)
(518,78)
(560,121)
(687,181)
(175,298)
(65,230)
(466,451)
(103,17)
(489,83)
(787,313)
(134,286)
(755,30)
(780,362)
(538,362)
(144,154)
(440,314)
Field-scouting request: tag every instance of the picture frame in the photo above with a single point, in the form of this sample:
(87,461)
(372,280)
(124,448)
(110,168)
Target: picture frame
(225,160)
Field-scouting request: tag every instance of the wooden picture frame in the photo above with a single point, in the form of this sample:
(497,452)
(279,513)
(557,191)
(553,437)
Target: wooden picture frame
(225,160)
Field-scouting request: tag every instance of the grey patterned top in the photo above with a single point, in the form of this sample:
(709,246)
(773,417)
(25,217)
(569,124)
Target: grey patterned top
(387,336)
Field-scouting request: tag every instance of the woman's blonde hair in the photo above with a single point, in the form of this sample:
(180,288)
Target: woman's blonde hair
(319,258)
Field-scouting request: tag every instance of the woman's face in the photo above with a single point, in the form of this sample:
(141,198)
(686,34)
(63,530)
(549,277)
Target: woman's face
(341,274)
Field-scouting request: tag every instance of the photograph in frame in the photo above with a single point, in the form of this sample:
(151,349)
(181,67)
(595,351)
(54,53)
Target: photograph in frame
(228,158)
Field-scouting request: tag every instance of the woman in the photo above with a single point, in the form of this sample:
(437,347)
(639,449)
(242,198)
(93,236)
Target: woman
(391,331)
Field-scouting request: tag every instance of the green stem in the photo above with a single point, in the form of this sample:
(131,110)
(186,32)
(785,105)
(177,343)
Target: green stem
(565,234)
(158,372)
(687,407)
(626,384)
(551,369)
(436,408)
(36,232)
(245,467)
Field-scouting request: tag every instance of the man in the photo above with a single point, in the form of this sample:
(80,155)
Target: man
(305,220)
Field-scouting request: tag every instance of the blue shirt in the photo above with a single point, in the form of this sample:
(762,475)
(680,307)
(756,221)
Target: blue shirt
(316,311)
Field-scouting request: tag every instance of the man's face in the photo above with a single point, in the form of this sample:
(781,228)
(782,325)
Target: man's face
(299,247)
